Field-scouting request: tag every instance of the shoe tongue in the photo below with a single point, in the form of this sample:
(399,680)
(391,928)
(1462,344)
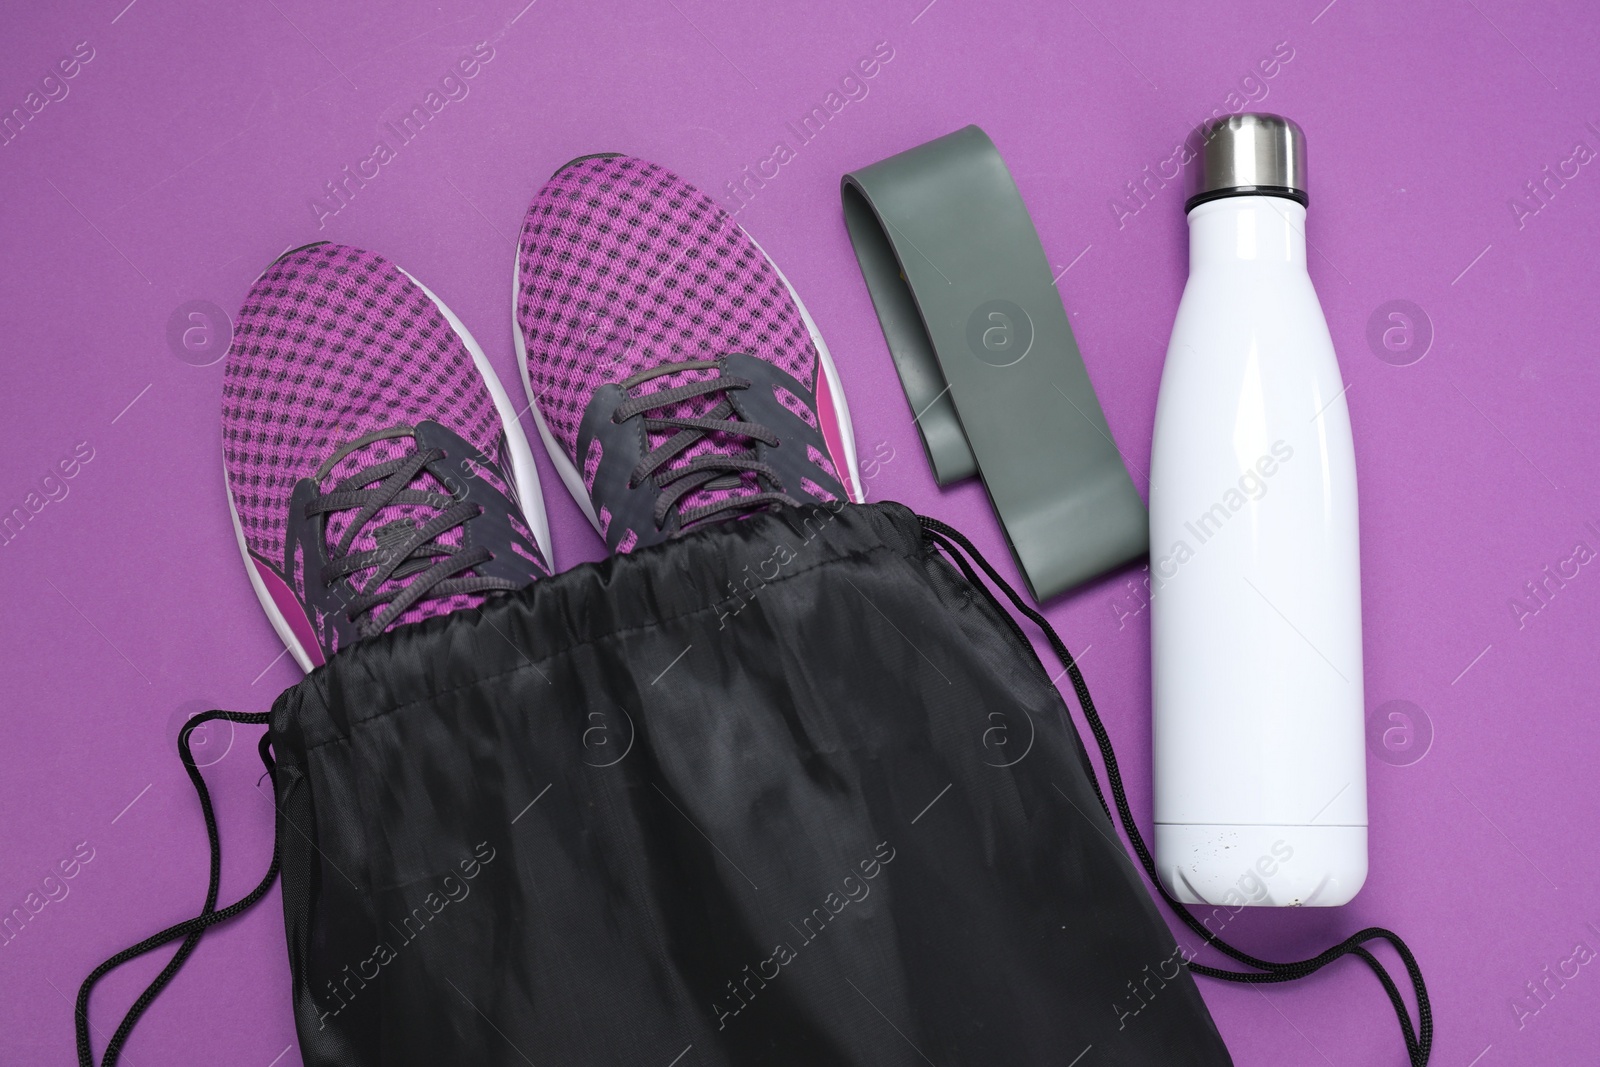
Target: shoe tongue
(392,524)
(733,484)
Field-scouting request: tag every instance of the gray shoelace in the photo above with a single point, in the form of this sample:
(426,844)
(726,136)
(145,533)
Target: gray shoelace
(710,470)
(404,550)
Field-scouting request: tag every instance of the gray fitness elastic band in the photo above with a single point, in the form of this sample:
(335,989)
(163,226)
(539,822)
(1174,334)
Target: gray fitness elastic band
(980,339)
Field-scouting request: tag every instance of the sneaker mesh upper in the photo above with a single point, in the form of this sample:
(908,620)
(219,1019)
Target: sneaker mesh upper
(333,343)
(625,266)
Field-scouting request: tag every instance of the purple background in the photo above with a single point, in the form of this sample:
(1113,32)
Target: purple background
(186,156)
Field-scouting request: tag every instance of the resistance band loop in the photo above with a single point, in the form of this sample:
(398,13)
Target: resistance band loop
(975,324)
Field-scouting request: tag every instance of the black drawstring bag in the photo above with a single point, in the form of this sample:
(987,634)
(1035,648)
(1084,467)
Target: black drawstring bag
(789,790)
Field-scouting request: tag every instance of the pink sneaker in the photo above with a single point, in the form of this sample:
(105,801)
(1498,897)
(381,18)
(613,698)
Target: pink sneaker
(674,375)
(376,471)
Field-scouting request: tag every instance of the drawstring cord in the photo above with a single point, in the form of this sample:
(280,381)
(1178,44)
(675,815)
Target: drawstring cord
(1419,1041)
(190,930)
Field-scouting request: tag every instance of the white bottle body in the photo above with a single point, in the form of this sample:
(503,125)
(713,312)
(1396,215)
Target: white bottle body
(1260,765)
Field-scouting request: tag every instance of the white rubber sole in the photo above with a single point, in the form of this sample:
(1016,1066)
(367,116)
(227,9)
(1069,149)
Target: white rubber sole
(279,624)
(558,455)
(523,471)
(529,493)
(572,478)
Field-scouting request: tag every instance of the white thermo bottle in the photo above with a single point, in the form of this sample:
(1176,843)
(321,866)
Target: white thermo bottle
(1260,765)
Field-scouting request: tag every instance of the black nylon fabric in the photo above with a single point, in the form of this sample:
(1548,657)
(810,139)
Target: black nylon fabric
(781,791)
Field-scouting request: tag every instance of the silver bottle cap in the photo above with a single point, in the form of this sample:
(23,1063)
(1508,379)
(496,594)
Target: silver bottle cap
(1249,154)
